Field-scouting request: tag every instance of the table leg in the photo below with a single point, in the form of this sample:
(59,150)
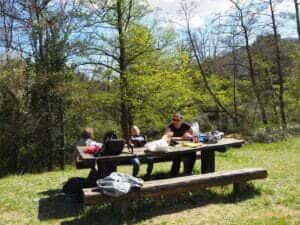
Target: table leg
(207,161)
(105,169)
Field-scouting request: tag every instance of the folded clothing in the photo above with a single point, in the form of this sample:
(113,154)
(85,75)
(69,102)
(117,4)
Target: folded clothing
(117,184)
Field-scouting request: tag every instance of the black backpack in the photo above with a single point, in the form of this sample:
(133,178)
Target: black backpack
(112,145)
(73,187)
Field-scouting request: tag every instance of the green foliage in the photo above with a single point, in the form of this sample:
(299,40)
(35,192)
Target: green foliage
(30,127)
(140,75)
(12,114)
(158,96)
(293,87)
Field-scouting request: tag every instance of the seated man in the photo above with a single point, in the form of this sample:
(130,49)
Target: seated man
(179,130)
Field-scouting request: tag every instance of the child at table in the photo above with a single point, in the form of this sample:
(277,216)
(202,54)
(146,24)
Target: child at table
(86,139)
(138,140)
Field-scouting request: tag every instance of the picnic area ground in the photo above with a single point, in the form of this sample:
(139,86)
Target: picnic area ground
(37,199)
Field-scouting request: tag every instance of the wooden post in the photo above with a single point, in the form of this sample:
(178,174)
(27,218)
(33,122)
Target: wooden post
(121,206)
(239,187)
(208,161)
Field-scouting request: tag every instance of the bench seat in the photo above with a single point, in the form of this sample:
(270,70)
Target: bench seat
(172,186)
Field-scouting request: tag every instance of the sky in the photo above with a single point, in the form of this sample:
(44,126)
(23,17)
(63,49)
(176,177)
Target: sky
(168,10)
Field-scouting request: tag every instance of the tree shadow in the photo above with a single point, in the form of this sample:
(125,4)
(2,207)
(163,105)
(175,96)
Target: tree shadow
(148,208)
(56,205)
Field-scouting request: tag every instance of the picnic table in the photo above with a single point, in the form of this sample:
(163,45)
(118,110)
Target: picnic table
(171,186)
(106,164)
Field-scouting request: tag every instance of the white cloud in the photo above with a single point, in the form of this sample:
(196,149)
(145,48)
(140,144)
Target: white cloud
(169,10)
(285,6)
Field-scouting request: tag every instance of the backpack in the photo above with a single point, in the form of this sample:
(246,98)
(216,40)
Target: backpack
(73,187)
(111,144)
(109,135)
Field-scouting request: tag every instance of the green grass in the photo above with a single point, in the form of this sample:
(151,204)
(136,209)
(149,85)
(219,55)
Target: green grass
(36,198)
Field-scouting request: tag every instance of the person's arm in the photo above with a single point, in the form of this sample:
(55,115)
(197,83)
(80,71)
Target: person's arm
(178,138)
(188,135)
(168,131)
(168,135)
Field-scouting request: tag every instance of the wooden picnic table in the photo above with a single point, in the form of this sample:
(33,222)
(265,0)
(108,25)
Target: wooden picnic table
(106,164)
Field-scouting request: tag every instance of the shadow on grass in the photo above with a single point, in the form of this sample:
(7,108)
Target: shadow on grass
(145,209)
(57,206)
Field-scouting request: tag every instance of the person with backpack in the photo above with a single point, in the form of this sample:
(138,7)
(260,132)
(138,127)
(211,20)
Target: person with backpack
(74,185)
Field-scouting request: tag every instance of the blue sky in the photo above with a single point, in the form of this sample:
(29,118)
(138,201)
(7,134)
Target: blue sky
(168,11)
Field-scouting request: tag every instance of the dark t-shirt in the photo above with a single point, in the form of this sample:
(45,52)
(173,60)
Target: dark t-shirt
(179,132)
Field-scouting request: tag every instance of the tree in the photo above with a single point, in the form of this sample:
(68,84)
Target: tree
(232,42)
(7,26)
(41,35)
(245,30)
(297,17)
(279,66)
(195,49)
(110,47)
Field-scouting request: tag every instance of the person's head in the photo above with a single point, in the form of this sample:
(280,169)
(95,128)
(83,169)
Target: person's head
(135,131)
(177,119)
(88,132)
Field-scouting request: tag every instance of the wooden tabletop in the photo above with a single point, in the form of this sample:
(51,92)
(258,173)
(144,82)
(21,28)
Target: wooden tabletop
(140,152)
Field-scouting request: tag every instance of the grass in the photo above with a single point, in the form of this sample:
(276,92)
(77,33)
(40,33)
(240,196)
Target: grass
(37,199)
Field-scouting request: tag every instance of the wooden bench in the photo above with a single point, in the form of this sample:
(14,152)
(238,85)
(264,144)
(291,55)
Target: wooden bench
(173,186)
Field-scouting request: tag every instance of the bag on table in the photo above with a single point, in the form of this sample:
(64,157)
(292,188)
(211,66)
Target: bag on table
(112,145)
(157,146)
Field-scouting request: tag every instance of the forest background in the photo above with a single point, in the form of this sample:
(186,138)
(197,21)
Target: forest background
(110,64)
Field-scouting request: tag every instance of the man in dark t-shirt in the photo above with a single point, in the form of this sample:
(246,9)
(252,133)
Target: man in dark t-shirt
(179,130)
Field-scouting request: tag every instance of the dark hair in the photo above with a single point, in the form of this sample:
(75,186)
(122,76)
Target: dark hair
(178,114)
(109,135)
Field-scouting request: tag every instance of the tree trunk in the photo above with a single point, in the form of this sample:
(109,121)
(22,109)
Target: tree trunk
(126,117)
(279,68)
(253,81)
(255,88)
(61,124)
(297,17)
(235,72)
